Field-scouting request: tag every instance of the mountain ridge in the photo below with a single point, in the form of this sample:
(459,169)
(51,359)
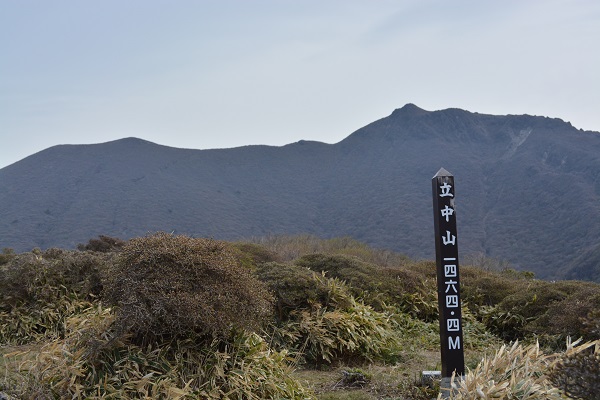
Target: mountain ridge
(374,185)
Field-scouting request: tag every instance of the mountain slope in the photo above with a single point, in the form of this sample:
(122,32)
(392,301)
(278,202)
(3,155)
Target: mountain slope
(527,189)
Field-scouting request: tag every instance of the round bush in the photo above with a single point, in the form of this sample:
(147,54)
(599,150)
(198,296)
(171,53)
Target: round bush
(173,286)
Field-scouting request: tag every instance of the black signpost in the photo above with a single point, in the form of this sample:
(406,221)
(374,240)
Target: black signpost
(448,282)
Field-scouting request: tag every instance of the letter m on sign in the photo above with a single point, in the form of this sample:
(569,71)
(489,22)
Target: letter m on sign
(454,344)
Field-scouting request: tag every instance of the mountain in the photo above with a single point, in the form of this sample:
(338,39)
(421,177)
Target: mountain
(527,190)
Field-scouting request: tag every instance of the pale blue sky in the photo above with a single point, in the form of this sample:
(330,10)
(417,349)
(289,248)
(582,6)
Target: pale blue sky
(224,73)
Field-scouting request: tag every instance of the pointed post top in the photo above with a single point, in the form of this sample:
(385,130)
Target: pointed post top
(442,172)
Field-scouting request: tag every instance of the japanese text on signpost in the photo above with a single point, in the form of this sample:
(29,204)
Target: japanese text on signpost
(448,281)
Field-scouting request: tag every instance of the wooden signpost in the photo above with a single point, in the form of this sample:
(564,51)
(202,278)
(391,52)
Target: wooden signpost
(448,280)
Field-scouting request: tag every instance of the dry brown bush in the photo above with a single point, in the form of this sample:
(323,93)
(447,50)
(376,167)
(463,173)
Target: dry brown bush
(577,371)
(172,286)
(104,244)
(591,324)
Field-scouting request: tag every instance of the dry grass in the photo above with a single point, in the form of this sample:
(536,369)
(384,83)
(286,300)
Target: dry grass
(525,373)
(514,372)
(292,247)
(89,364)
(11,358)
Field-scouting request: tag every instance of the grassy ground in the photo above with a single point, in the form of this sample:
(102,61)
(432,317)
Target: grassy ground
(400,381)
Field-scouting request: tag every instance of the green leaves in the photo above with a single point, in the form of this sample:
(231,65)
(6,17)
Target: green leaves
(334,325)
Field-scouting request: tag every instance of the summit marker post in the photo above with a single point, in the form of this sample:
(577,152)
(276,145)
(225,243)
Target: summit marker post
(448,280)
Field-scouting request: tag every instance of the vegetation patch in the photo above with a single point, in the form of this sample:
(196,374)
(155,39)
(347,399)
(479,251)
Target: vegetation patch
(319,318)
(379,286)
(90,363)
(39,290)
(174,317)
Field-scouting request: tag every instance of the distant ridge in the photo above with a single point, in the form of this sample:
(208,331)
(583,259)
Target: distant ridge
(527,189)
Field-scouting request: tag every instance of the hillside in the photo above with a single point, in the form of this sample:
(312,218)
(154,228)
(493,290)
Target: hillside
(527,189)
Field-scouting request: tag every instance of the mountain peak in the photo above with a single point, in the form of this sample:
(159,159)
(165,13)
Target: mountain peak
(131,141)
(409,110)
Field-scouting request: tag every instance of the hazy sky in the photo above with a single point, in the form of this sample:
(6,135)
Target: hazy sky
(224,73)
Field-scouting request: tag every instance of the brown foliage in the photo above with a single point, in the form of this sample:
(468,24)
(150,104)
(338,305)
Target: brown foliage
(103,244)
(577,371)
(571,315)
(514,306)
(6,255)
(591,324)
(172,286)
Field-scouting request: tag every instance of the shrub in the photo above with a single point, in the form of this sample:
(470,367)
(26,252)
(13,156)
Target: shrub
(252,255)
(591,324)
(476,335)
(357,334)
(31,277)
(90,363)
(6,255)
(171,286)
(549,310)
(379,286)
(24,324)
(291,247)
(103,244)
(577,370)
(333,326)
(569,316)
(298,288)
(39,290)
(506,324)
(486,288)
(358,274)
